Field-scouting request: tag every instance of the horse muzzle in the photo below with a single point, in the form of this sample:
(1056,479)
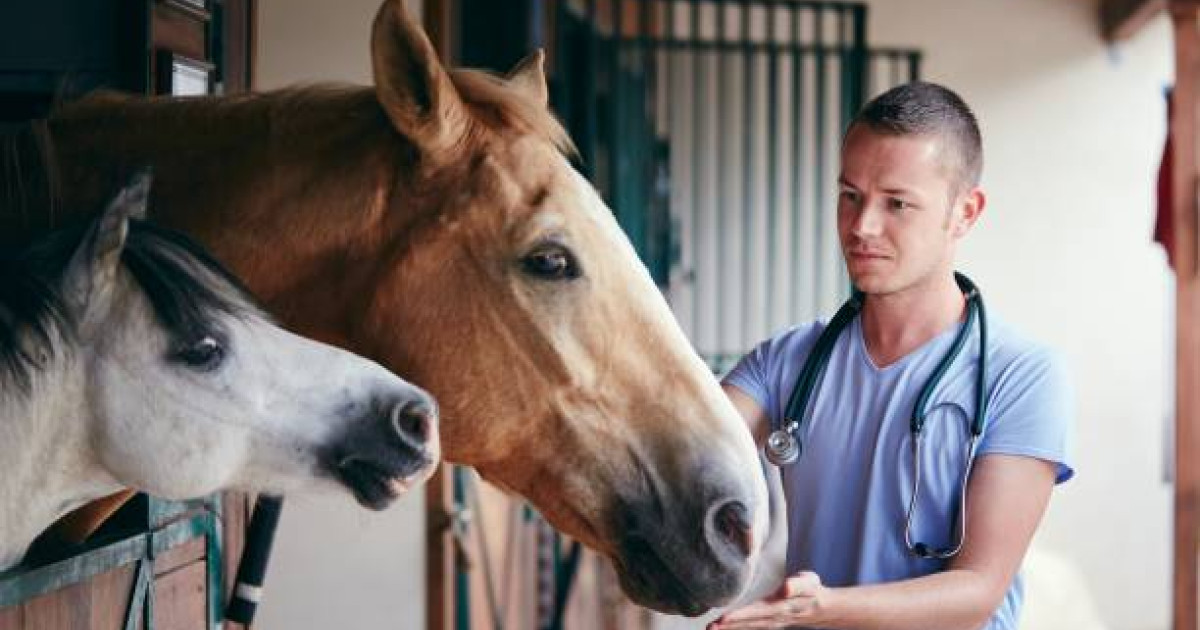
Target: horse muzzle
(687,571)
(386,453)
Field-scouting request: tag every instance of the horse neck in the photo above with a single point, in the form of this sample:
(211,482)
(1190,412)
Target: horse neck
(46,467)
(312,181)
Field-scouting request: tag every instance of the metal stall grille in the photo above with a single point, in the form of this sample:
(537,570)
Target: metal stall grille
(712,128)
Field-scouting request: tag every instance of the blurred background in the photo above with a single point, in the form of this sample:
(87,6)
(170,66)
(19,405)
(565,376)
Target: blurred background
(721,122)
(711,128)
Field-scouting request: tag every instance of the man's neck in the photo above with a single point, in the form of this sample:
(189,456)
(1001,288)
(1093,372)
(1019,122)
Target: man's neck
(895,324)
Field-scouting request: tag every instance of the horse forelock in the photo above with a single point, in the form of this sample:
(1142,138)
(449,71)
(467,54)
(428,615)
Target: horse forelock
(493,100)
(184,285)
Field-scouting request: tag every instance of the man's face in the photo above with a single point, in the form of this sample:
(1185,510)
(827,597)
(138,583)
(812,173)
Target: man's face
(899,210)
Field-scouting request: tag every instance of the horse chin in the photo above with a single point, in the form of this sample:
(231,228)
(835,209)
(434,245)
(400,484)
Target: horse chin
(650,582)
(375,485)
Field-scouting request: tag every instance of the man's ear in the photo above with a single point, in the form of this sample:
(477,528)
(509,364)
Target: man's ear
(970,207)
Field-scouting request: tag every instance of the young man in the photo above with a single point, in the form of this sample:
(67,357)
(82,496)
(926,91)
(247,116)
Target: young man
(909,192)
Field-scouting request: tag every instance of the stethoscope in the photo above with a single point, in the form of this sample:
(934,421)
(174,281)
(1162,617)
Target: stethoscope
(784,444)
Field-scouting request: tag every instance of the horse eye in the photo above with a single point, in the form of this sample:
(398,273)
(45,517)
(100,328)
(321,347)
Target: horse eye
(551,262)
(204,354)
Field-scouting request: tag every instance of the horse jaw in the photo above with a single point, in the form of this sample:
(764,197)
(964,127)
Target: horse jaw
(46,465)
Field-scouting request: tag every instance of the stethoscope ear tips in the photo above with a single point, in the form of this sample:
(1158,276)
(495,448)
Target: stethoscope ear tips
(782,448)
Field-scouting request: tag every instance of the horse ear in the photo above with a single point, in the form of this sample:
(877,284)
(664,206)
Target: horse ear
(411,84)
(529,76)
(91,275)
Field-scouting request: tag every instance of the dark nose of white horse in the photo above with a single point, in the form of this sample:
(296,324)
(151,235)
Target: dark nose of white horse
(729,530)
(413,422)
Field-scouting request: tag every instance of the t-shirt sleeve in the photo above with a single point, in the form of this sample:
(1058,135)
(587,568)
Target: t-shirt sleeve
(768,372)
(752,373)
(1031,411)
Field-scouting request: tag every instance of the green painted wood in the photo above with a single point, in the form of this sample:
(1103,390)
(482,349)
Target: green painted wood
(21,585)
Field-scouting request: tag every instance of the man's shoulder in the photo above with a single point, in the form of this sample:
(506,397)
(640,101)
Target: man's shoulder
(1020,364)
(1012,347)
(780,352)
(793,340)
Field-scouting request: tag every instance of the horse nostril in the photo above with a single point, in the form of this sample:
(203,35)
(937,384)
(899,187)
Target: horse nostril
(413,422)
(731,523)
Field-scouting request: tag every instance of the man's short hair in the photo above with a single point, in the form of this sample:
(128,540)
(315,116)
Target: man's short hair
(922,108)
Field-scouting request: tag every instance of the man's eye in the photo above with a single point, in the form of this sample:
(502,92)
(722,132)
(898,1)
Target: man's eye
(899,204)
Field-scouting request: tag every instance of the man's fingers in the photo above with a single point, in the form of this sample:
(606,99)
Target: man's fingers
(751,612)
(791,598)
(751,616)
(802,584)
(756,616)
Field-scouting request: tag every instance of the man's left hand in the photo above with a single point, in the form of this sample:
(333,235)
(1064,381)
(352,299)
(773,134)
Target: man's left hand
(797,602)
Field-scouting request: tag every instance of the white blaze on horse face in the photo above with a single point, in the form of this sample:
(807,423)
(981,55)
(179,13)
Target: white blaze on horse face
(716,425)
(259,420)
(645,428)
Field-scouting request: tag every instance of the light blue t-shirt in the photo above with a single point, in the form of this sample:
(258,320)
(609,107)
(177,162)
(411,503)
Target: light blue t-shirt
(848,493)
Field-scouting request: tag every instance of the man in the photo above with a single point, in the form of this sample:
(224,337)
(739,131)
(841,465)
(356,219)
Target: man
(909,192)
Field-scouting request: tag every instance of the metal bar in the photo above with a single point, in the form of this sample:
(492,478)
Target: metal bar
(859,59)
(462,582)
(615,132)
(148,606)
(797,167)
(843,59)
(647,114)
(214,560)
(856,73)
(914,66)
(564,578)
(135,610)
(697,133)
(737,46)
(767,319)
(719,215)
(820,157)
(747,172)
(593,57)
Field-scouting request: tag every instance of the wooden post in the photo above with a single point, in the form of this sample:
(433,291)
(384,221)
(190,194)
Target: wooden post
(439,551)
(1184,200)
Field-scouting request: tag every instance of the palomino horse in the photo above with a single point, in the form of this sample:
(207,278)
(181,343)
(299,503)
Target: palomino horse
(129,358)
(559,370)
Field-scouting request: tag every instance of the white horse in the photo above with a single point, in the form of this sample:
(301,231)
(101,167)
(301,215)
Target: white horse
(129,358)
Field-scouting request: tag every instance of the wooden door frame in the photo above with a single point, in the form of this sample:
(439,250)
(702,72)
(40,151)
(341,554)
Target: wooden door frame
(1185,139)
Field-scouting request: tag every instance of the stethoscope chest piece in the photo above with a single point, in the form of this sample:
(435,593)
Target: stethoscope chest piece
(782,447)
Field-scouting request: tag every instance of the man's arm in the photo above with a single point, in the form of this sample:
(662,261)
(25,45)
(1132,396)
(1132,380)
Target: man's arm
(751,412)
(1006,498)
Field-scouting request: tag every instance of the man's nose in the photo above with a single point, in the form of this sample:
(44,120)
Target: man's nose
(868,221)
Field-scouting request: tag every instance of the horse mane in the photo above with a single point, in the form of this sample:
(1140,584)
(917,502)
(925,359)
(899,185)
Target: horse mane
(338,108)
(186,288)
(32,315)
(29,166)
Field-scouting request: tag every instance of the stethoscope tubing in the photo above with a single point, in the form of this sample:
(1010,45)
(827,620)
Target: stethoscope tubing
(785,442)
